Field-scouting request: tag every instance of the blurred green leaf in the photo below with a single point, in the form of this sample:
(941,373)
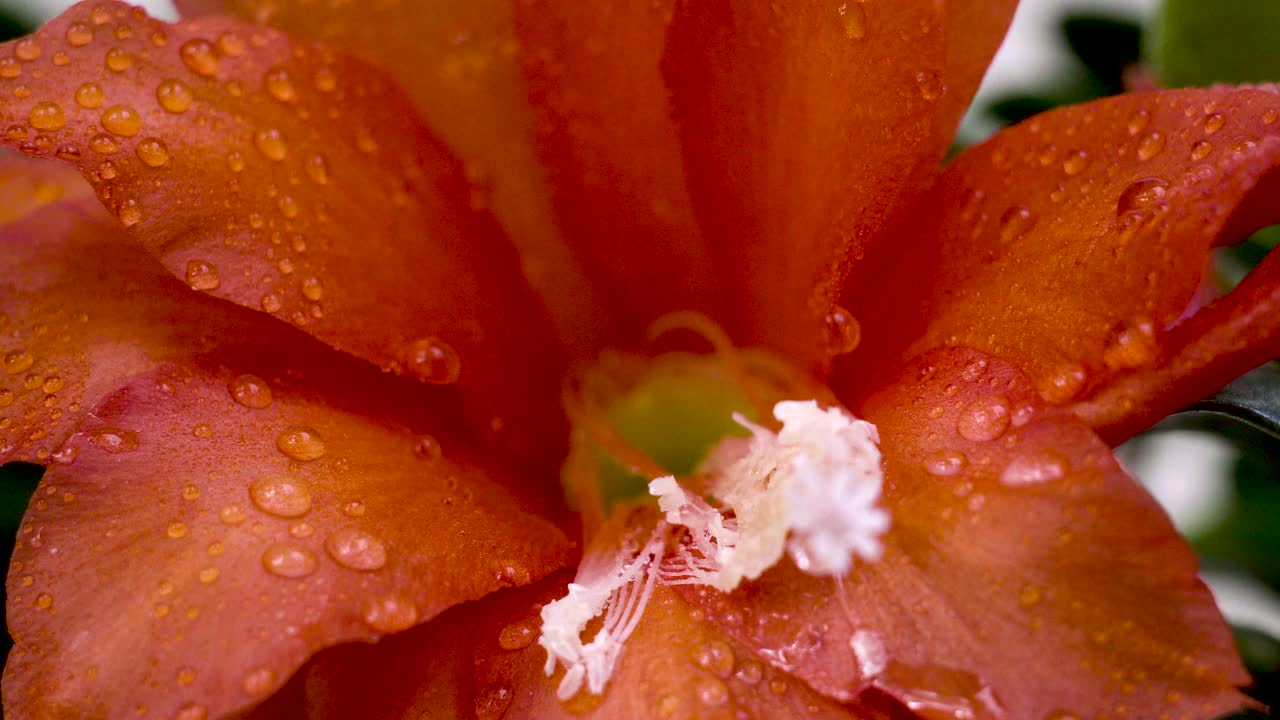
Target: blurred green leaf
(1202,42)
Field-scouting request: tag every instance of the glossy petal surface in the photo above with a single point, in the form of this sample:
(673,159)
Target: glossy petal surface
(291,178)
(1024,574)
(974,31)
(1070,244)
(800,124)
(481,660)
(215,529)
(458,62)
(613,155)
(82,310)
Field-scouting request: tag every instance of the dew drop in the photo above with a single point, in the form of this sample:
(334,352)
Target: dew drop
(26,49)
(318,169)
(271,144)
(121,120)
(250,391)
(1132,345)
(100,15)
(1029,596)
(174,95)
(1033,469)
(750,673)
(520,634)
(47,116)
(1015,223)
(270,302)
(232,514)
(300,443)
(1269,116)
(152,152)
(202,275)
(1139,122)
(190,493)
(104,144)
(711,692)
(288,560)
(90,95)
(843,333)
(355,549)
(1150,146)
(235,161)
(1201,149)
(281,496)
(1063,384)
(427,448)
(355,508)
(17,361)
(434,361)
(192,711)
(259,682)
(1213,123)
(200,57)
(324,80)
(390,614)
(113,440)
(202,431)
(1075,162)
(44,601)
(279,85)
(945,463)
(854,18)
(9,68)
(79,34)
(715,657)
(118,60)
(930,85)
(231,44)
(1141,195)
(984,419)
(492,701)
(176,530)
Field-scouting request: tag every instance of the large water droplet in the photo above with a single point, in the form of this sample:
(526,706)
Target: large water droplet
(279,85)
(281,496)
(250,391)
(121,120)
(152,152)
(113,440)
(492,701)
(271,143)
(200,57)
(17,361)
(288,560)
(356,549)
(843,333)
(300,443)
(1132,345)
(47,116)
(27,49)
(945,463)
(174,95)
(1075,162)
(1063,384)
(79,34)
(1213,123)
(202,275)
(716,657)
(520,634)
(90,95)
(1033,469)
(118,60)
(390,614)
(434,360)
(1150,146)
(233,514)
(259,682)
(1201,149)
(984,419)
(711,692)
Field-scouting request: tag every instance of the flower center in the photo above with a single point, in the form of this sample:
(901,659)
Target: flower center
(748,460)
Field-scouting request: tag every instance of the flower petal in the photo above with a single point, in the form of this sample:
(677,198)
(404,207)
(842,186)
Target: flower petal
(1070,244)
(216,529)
(457,61)
(288,177)
(975,29)
(82,309)
(1024,575)
(800,126)
(481,660)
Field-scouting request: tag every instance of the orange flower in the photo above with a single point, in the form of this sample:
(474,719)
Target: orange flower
(230,492)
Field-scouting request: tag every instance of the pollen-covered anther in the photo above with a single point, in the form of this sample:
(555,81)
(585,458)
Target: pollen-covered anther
(811,490)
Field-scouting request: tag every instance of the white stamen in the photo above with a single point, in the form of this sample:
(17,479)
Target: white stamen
(623,585)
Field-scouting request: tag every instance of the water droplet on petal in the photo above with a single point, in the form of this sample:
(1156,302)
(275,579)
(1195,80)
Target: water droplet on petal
(281,496)
(104,144)
(984,419)
(1139,122)
(118,60)
(1029,596)
(435,361)
(929,83)
(854,18)
(945,463)
(209,575)
(250,391)
(843,333)
(1132,345)
(356,549)
(176,530)
(113,440)
(1034,469)
(90,95)
(318,169)
(232,514)
(200,57)
(300,443)
(1150,146)
(1141,195)
(17,361)
(26,49)
(235,161)
(202,275)
(288,560)
(1201,149)
(44,601)
(1063,384)
(427,448)
(750,673)
(1213,123)
(279,85)
(520,634)
(47,116)
(152,152)
(711,692)
(313,289)
(716,657)
(174,96)
(1016,222)
(492,701)
(79,34)
(390,614)
(121,120)
(1075,162)
(259,682)
(270,142)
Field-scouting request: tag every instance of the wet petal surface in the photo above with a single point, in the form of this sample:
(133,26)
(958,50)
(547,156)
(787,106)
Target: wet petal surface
(1024,574)
(1069,245)
(223,519)
(800,126)
(296,180)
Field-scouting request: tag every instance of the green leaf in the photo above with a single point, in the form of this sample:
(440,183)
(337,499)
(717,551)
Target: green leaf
(1202,42)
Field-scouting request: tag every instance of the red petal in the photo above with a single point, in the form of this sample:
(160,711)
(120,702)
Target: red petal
(800,126)
(285,176)
(209,536)
(1069,245)
(82,309)
(481,660)
(456,60)
(1024,570)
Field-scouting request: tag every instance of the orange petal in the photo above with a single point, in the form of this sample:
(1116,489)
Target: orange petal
(216,529)
(481,660)
(800,125)
(1070,244)
(614,155)
(82,309)
(1024,574)
(291,178)
(457,61)
(974,29)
